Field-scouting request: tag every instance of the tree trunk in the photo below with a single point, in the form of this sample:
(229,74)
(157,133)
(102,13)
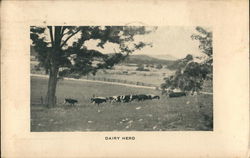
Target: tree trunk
(51,93)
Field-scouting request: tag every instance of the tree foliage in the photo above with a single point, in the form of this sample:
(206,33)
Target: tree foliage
(76,57)
(190,74)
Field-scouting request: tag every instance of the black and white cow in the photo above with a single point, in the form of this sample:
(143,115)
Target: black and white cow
(125,98)
(70,101)
(110,99)
(133,97)
(114,99)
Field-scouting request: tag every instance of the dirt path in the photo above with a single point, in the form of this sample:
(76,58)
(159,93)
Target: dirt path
(115,83)
(85,80)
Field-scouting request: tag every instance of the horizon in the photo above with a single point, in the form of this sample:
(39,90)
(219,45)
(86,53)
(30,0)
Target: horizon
(158,56)
(174,40)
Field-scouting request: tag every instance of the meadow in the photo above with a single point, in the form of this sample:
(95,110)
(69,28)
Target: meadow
(190,113)
(122,73)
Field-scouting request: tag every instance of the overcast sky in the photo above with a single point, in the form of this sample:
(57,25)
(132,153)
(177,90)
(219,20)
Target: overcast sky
(170,40)
(174,41)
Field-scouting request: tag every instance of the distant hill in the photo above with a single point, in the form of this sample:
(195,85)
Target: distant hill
(138,59)
(145,59)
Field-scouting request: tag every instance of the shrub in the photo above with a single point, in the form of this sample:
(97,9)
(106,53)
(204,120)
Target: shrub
(159,66)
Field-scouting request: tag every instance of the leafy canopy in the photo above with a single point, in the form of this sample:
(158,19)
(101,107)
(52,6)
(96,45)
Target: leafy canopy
(64,46)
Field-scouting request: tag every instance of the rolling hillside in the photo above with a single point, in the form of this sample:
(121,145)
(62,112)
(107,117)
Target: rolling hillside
(144,59)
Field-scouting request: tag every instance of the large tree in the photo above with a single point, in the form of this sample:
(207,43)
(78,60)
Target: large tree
(192,72)
(64,47)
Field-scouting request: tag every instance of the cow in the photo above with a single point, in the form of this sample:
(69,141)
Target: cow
(133,97)
(156,97)
(98,100)
(152,96)
(70,101)
(125,98)
(110,99)
(114,99)
(177,94)
(142,97)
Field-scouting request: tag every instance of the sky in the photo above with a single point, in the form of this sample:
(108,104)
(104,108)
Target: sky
(169,40)
(174,41)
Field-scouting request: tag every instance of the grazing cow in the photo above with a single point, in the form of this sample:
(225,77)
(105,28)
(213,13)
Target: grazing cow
(70,101)
(118,99)
(133,97)
(110,99)
(98,100)
(142,97)
(151,96)
(114,99)
(177,94)
(125,98)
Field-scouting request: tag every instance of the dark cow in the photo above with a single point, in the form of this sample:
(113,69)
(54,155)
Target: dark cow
(142,97)
(151,96)
(70,101)
(177,94)
(156,97)
(98,100)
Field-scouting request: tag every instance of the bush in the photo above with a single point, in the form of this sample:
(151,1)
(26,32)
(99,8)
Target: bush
(159,66)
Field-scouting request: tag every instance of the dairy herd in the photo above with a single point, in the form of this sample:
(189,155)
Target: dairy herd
(124,98)
(115,99)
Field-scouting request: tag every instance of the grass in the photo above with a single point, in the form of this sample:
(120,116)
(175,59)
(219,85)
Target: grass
(189,113)
(153,77)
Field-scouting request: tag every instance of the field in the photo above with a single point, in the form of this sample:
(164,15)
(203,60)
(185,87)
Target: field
(189,113)
(123,74)
(130,75)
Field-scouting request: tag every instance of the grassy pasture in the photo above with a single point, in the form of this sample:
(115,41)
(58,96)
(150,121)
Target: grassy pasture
(153,77)
(167,114)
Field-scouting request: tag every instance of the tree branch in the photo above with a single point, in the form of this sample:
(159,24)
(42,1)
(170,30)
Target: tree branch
(57,37)
(65,33)
(62,31)
(51,35)
(70,37)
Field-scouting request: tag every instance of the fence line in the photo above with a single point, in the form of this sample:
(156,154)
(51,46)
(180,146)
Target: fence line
(119,81)
(114,81)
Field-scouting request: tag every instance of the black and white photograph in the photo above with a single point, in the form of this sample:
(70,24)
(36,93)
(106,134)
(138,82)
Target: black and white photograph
(121,78)
(125,78)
